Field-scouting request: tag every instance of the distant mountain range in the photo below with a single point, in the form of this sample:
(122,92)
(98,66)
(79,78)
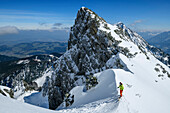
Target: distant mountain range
(148,34)
(35,48)
(161,41)
(27,36)
(4,58)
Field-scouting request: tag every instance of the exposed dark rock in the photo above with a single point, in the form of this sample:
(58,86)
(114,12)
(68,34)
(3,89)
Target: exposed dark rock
(87,54)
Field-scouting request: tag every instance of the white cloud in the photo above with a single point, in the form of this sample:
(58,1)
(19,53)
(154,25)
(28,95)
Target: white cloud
(8,30)
(42,23)
(57,24)
(153,34)
(151,30)
(135,22)
(60,28)
(33,20)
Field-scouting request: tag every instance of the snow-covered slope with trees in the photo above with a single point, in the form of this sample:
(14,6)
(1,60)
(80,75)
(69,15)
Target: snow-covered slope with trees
(20,74)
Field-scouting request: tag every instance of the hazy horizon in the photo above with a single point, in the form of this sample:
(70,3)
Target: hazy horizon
(42,20)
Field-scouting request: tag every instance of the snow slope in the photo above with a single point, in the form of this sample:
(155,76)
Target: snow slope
(37,99)
(105,101)
(89,101)
(106,88)
(140,95)
(40,81)
(144,91)
(9,105)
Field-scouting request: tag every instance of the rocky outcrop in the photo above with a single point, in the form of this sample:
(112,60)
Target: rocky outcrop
(87,53)
(93,46)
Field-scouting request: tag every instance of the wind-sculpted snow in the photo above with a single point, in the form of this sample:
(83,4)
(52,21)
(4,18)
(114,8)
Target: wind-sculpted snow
(105,88)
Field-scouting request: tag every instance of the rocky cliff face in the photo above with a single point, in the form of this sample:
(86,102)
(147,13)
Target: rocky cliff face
(90,42)
(89,49)
(93,46)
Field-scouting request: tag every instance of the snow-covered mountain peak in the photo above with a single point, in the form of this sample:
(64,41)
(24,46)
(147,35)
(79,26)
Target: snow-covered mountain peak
(84,14)
(121,24)
(94,46)
(99,56)
(132,36)
(89,25)
(86,22)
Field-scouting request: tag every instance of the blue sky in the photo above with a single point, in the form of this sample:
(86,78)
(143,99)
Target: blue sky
(139,15)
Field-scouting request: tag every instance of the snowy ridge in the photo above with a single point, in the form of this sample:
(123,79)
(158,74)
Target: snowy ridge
(94,46)
(143,45)
(106,88)
(138,90)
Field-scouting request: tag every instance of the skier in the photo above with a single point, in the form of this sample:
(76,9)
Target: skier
(121,89)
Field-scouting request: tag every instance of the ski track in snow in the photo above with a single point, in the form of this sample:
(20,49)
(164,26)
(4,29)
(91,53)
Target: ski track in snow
(124,106)
(102,106)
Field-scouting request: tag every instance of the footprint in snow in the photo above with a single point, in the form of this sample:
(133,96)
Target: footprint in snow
(138,95)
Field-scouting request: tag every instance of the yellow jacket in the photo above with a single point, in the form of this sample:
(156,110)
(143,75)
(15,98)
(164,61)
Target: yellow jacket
(121,87)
